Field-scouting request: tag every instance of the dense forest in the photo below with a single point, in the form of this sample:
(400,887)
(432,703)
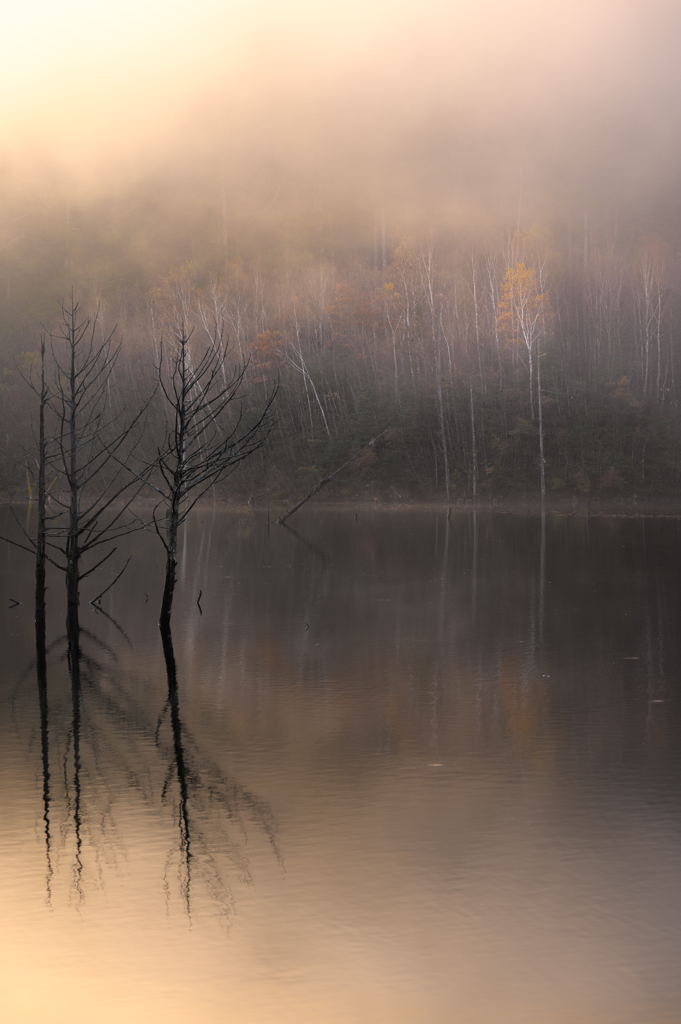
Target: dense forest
(530,360)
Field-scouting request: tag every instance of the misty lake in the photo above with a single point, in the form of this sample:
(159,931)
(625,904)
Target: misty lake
(411,771)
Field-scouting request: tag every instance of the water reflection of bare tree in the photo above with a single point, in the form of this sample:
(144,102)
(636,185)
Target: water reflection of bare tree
(212,810)
(113,745)
(41,673)
(306,543)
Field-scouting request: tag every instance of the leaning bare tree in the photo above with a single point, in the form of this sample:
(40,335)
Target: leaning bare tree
(206,436)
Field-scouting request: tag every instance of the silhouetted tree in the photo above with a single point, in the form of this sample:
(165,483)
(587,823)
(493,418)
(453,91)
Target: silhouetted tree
(203,441)
(41,534)
(91,447)
(37,543)
(82,440)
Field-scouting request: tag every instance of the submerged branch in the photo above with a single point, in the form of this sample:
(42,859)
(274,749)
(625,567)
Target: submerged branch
(327,480)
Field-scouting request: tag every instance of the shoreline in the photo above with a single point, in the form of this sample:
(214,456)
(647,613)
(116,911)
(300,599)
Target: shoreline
(626,508)
(631,506)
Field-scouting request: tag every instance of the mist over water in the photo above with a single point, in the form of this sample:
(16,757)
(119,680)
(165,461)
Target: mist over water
(406,768)
(415,767)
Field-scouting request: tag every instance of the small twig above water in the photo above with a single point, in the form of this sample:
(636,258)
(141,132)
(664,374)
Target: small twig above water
(96,600)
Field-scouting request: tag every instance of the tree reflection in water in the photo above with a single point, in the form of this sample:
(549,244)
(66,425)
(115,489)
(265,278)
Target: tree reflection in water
(219,808)
(41,674)
(111,737)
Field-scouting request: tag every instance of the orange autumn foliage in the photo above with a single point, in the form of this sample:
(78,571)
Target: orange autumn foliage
(524,313)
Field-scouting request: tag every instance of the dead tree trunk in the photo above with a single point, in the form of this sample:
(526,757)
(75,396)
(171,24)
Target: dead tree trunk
(72,545)
(203,442)
(91,450)
(40,549)
(172,527)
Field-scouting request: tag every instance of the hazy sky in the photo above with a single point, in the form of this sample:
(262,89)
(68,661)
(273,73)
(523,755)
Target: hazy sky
(443,102)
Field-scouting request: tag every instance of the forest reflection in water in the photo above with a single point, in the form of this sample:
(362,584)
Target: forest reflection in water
(399,767)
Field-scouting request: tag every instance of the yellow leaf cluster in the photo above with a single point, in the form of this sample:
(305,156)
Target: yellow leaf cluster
(524,313)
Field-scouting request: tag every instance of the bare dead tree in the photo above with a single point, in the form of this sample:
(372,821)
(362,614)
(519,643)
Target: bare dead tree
(38,542)
(40,549)
(91,449)
(83,441)
(36,468)
(207,435)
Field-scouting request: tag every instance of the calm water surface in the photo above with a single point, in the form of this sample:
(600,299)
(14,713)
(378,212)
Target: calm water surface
(412,771)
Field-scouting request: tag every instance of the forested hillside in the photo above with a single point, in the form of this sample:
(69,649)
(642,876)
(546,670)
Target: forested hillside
(470,358)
